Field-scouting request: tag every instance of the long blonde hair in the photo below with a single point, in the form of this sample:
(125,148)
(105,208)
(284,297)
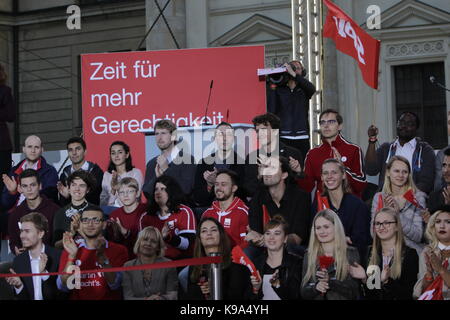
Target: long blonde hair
(430,232)
(387,188)
(315,248)
(396,268)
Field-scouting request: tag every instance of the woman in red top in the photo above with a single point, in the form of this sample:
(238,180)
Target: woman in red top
(175,220)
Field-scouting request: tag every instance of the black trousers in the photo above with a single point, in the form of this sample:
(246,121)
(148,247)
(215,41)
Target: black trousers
(299,144)
(5,167)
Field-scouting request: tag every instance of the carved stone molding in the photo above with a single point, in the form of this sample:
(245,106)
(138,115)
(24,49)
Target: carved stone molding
(415,49)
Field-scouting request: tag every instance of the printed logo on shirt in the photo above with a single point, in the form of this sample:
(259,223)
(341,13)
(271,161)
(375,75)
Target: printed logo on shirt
(171,224)
(344,158)
(227,223)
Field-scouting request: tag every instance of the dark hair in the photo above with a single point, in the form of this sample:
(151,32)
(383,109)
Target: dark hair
(285,167)
(28,173)
(128,162)
(175,195)
(447,152)
(199,250)
(76,140)
(3,75)
(233,175)
(223,123)
(87,177)
(267,119)
(339,118)
(165,124)
(276,221)
(92,207)
(414,115)
(38,219)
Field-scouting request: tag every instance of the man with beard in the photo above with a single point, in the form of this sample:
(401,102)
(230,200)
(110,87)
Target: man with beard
(223,158)
(76,149)
(334,145)
(229,210)
(29,186)
(79,184)
(419,153)
(279,195)
(32,150)
(38,258)
(173,161)
(92,252)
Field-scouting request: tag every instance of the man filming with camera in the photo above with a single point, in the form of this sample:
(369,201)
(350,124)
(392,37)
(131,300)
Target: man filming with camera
(288,96)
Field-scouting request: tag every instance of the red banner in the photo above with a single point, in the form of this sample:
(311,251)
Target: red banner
(353,41)
(126,92)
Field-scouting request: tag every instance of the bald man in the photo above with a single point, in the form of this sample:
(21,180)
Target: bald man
(32,150)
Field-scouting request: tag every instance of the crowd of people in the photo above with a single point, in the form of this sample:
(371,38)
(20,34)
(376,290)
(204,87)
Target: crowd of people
(308,220)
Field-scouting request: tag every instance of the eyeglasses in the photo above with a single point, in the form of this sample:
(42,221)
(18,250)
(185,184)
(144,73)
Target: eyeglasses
(324,122)
(128,192)
(385,224)
(94,220)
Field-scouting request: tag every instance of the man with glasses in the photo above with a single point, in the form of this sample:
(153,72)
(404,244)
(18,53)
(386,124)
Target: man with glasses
(334,145)
(419,153)
(123,223)
(79,184)
(91,252)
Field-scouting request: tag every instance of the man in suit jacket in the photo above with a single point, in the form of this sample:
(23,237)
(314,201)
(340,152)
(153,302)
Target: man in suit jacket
(38,258)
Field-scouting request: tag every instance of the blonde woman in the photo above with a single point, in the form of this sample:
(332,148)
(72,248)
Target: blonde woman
(398,264)
(328,242)
(397,181)
(156,284)
(435,259)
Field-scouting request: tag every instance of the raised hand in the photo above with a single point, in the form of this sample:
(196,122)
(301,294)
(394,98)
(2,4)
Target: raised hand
(10,183)
(75,223)
(62,189)
(114,182)
(386,273)
(372,131)
(295,165)
(123,230)
(69,245)
(210,176)
(43,262)
(162,162)
(357,271)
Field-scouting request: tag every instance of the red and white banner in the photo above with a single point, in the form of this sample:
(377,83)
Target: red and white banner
(126,92)
(352,40)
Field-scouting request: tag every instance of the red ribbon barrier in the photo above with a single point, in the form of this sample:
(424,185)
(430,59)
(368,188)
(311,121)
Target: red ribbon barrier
(161,265)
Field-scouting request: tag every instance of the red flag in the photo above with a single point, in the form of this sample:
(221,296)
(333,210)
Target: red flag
(238,256)
(434,290)
(325,262)
(352,40)
(380,203)
(409,195)
(266,216)
(322,202)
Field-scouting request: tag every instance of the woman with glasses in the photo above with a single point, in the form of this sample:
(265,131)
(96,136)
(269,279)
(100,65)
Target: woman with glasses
(326,263)
(123,223)
(352,211)
(280,271)
(395,265)
(148,284)
(435,259)
(400,193)
(236,279)
(120,166)
(169,215)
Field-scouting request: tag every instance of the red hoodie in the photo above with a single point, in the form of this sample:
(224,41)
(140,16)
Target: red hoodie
(234,219)
(351,157)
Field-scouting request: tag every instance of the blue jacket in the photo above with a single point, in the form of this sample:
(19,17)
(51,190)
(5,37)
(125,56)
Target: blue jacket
(48,176)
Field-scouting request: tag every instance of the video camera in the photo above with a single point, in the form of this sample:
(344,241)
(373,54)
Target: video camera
(282,78)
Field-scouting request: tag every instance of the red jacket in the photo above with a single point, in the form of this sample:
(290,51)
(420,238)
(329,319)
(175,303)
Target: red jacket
(234,220)
(351,157)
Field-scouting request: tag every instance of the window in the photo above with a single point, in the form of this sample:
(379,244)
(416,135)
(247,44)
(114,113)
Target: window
(414,92)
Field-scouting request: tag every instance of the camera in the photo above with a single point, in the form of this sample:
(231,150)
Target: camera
(281,79)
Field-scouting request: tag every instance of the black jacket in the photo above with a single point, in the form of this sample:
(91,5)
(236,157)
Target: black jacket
(94,195)
(398,289)
(292,106)
(251,182)
(21,264)
(290,275)
(295,207)
(201,196)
